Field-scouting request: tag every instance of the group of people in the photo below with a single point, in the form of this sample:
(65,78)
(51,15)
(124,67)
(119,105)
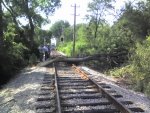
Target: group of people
(44,51)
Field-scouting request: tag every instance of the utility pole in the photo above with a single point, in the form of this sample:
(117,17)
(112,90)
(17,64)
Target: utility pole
(74,30)
(62,33)
(44,50)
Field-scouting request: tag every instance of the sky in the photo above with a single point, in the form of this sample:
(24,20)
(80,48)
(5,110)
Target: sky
(66,11)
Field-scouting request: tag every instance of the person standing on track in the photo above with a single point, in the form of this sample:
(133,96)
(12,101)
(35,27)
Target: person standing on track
(43,50)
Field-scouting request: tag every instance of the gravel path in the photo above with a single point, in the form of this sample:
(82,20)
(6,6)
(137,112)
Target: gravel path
(19,95)
(139,99)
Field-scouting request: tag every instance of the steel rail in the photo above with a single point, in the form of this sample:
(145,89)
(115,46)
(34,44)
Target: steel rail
(116,103)
(57,91)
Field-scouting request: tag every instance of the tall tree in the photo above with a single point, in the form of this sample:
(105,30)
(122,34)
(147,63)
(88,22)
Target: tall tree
(135,18)
(1,24)
(98,9)
(31,10)
(58,27)
(9,8)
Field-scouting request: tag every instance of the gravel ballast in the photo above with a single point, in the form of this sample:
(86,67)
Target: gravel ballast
(139,99)
(19,95)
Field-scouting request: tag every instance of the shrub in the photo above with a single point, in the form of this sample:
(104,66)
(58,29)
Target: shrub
(11,55)
(139,67)
(141,64)
(33,59)
(122,71)
(147,89)
(66,48)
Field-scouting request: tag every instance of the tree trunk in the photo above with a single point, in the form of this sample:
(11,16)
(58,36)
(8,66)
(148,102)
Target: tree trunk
(1,24)
(13,14)
(31,32)
(96,27)
(98,57)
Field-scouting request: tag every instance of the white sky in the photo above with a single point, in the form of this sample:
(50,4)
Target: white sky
(65,12)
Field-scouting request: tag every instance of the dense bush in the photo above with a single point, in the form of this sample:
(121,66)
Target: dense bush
(33,59)
(139,68)
(66,48)
(141,64)
(11,55)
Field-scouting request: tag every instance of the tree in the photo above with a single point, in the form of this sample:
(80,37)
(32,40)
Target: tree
(98,10)
(43,35)
(29,9)
(68,34)
(1,24)
(59,27)
(136,19)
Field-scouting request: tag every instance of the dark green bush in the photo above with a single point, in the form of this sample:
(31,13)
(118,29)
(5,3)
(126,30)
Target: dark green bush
(33,59)
(138,68)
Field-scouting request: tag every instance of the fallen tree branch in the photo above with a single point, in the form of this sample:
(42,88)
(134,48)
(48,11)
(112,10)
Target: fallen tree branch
(83,59)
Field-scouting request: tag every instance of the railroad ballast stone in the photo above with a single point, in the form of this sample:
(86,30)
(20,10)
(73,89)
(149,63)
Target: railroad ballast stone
(20,94)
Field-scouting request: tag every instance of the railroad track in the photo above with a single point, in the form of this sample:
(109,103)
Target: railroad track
(46,102)
(76,92)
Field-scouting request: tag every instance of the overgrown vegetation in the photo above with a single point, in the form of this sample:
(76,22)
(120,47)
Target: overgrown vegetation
(137,70)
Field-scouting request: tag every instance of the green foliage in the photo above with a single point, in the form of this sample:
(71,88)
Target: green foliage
(147,89)
(141,64)
(32,11)
(14,49)
(11,55)
(41,35)
(47,6)
(21,8)
(68,34)
(9,35)
(141,60)
(17,50)
(136,19)
(81,41)
(33,59)
(97,10)
(138,70)
(66,48)
(58,28)
(122,71)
